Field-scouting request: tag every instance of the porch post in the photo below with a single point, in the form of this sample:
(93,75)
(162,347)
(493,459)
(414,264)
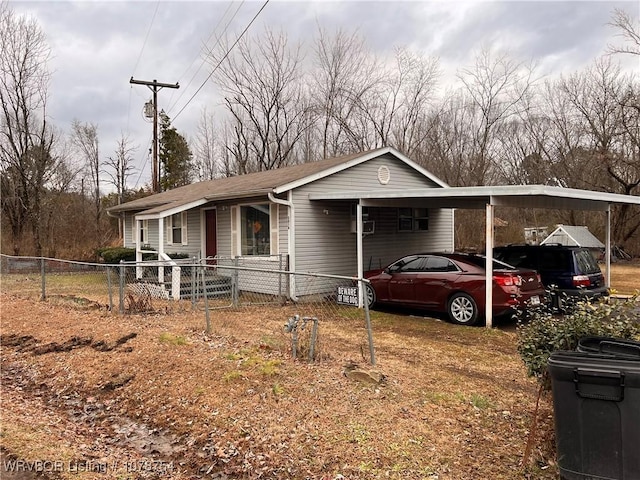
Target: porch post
(359,252)
(160,249)
(489,267)
(136,235)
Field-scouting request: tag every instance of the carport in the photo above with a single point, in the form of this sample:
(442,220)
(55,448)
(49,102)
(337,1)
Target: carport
(487,198)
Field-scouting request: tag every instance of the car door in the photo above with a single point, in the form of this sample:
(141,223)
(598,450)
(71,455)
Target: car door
(403,281)
(434,283)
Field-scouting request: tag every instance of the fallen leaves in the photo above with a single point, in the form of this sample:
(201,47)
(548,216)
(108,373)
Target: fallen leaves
(444,402)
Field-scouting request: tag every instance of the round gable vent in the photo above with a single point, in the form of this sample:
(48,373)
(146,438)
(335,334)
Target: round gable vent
(384,175)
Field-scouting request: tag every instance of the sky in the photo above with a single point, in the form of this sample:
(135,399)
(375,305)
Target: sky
(98,46)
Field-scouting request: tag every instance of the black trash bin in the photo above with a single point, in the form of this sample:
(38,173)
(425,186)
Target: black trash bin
(596,399)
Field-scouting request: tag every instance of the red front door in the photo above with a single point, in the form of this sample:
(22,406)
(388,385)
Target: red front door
(210,233)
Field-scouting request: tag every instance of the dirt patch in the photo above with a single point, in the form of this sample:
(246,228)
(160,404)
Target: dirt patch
(28,343)
(455,403)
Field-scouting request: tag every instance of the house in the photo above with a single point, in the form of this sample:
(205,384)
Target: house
(273,214)
(573,236)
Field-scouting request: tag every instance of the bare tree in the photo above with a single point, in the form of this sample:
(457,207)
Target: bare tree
(207,149)
(629,29)
(493,90)
(263,88)
(400,101)
(119,168)
(344,72)
(27,160)
(85,139)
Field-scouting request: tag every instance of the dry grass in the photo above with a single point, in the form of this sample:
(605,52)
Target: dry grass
(625,277)
(456,403)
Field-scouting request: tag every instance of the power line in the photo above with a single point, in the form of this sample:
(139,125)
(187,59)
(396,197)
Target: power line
(202,62)
(144,44)
(223,58)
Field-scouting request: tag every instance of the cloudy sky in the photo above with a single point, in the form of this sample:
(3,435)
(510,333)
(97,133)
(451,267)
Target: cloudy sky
(97,46)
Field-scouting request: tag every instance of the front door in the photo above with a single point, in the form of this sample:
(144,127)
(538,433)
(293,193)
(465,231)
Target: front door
(211,240)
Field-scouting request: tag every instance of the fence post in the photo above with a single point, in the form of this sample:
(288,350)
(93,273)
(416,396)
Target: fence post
(122,272)
(194,272)
(234,283)
(43,295)
(109,288)
(206,300)
(367,318)
(280,278)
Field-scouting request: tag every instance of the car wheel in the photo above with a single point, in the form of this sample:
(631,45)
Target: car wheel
(462,309)
(370,295)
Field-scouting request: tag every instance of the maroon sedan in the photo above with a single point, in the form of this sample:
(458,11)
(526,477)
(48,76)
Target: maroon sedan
(454,283)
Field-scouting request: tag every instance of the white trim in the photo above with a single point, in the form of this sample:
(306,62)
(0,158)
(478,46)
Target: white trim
(357,161)
(234,213)
(274,229)
(534,196)
(489,239)
(184,238)
(171,211)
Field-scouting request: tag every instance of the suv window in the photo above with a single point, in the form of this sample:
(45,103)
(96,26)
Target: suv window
(554,259)
(586,262)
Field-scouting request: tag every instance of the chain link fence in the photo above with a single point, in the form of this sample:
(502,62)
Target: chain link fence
(212,285)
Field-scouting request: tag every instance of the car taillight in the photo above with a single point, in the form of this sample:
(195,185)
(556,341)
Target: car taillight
(507,280)
(581,281)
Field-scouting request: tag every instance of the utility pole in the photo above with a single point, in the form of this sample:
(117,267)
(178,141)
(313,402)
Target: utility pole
(155,86)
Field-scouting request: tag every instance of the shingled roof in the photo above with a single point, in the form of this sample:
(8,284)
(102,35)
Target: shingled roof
(251,184)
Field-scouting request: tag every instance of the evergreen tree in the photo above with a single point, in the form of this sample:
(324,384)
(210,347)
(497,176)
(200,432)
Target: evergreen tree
(175,156)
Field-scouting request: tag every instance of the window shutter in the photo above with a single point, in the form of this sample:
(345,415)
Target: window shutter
(183,234)
(274,222)
(134,229)
(234,231)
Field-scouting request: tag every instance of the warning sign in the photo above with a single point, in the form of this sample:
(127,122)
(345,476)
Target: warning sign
(348,296)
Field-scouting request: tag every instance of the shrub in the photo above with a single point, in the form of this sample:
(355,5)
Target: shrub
(114,255)
(545,333)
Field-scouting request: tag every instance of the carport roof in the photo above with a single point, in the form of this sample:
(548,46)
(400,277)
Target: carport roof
(531,196)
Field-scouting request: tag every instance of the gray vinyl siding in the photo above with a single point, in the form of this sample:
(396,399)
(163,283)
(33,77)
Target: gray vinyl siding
(388,244)
(283,230)
(324,243)
(153,234)
(193,235)
(223,231)
(128,231)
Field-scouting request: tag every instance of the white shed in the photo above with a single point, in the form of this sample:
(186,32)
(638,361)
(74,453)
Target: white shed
(573,236)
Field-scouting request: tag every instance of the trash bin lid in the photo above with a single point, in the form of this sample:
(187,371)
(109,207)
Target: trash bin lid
(610,346)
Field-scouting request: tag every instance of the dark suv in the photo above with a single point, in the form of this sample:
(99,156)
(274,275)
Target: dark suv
(570,274)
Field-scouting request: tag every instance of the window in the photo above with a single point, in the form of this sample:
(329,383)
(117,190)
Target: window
(413,219)
(140,231)
(255,230)
(143,232)
(176,229)
(440,264)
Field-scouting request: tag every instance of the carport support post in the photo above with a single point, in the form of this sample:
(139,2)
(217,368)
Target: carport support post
(607,247)
(489,267)
(359,252)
